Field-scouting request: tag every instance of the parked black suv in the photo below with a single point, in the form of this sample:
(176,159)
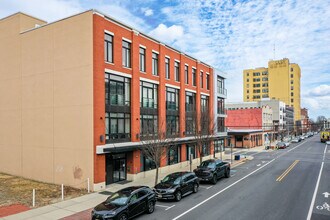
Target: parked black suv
(126,203)
(177,185)
(212,170)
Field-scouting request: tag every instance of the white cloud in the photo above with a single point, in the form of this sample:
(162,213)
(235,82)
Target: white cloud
(49,11)
(167,34)
(321,90)
(147,11)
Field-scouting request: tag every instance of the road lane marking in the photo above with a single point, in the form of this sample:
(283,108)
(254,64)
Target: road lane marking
(258,165)
(279,179)
(163,206)
(211,197)
(169,207)
(209,187)
(316,188)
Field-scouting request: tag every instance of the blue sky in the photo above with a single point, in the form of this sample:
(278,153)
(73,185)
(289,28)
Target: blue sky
(229,35)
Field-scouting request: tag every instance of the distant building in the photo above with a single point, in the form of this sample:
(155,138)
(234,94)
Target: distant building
(280,81)
(289,119)
(305,124)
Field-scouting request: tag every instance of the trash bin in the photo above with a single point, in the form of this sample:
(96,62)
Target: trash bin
(267,147)
(237,157)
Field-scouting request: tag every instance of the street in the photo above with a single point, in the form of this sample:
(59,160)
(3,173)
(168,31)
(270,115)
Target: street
(275,185)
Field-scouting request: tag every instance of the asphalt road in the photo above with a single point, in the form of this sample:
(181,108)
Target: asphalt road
(283,184)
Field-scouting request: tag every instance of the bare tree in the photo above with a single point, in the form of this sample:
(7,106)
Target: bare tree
(204,130)
(156,143)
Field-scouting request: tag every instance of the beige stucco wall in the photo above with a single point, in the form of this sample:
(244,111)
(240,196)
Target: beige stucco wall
(46,100)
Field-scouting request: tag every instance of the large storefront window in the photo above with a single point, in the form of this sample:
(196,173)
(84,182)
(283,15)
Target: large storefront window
(191,150)
(190,125)
(206,150)
(147,163)
(219,146)
(172,125)
(173,155)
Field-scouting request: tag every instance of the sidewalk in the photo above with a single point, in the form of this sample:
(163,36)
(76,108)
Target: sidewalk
(79,204)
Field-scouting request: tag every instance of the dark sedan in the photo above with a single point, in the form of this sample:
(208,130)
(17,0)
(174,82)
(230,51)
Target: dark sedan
(177,185)
(126,203)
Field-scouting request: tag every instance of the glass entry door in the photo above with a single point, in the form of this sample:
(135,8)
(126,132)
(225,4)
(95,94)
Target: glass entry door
(115,168)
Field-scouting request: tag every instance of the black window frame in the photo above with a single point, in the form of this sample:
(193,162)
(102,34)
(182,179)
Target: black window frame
(117,118)
(108,53)
(167,68)
(201,79)
(193,76)
(207,82)
(221,124)
(172,99)
(220,105)
(148,125)
(174,155)
(186,74)
(142,61)
(126,54)
(149,89)
(177,71)
(110,80)
(204,103)
(155,64)
(190,102)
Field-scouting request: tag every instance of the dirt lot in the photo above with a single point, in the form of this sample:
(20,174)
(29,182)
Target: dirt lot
(17,190)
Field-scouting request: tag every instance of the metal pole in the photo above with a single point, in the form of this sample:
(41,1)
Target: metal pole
(33,197)
(190,161)
(231,153)
(88,189)
(62,189)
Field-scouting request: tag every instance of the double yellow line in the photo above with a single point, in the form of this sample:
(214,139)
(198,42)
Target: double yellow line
(279,179)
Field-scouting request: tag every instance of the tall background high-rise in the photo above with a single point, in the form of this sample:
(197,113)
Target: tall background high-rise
(281,81)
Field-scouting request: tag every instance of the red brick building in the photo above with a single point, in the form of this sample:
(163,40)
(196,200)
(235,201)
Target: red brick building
(102,82)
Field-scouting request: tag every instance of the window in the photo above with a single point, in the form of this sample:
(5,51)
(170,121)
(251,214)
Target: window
(167,68)
(291,81)
(177,71)
(149,95)
(201,79)
(117,90)
(291,69)
(265,85)
(256,85)
(247,97)
(108,48)
(247,80)
(207,82)
(148,124)
(147,163)
(291,93)
(190,125)
(126,54)
(247,74)
(256,80)
(186,78)
(173,155)
(220,85)
(256,74)
(190,102)
(172,99)
(291,100)
(117,126)
(155,64)
(142,59)
(247,91)
(221,124)
(265,96)
(265,90)
(291,75)
(221,105)
(205,150)
(256,91)
(219,146)
(256,97)
(291,87)
(193,78)
(191,150)
(264,73)
(172,125)
(247,85)
(264,79)
(204,103)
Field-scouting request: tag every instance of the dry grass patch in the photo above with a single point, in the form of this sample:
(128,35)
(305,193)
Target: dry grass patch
(18,190)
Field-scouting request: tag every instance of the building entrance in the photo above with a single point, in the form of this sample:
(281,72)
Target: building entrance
(115,168)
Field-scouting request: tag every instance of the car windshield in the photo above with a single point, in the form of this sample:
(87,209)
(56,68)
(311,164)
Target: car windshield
(172,179)
(208,164)
(118,198)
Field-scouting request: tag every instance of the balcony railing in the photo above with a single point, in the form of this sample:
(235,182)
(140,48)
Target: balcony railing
(171,105)
(118,99)
(222,91)
(148,103)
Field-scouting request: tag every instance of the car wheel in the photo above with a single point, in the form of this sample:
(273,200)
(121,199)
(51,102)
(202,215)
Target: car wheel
(123,217)
(227,173)
(178,196)
(151,207)
(214,179)
(195,188)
